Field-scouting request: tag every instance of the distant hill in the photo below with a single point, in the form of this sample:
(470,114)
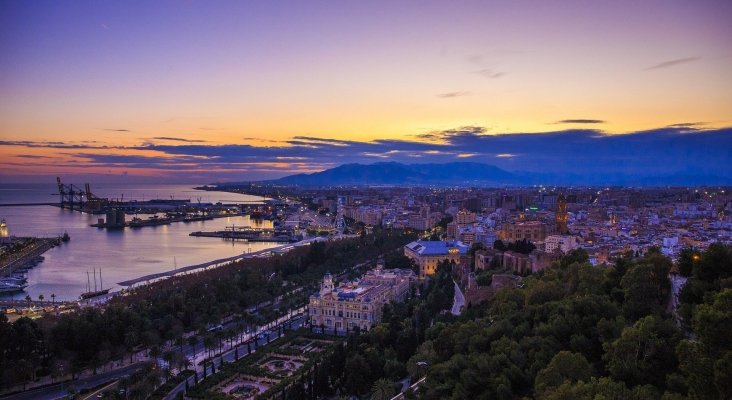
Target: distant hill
(393,173)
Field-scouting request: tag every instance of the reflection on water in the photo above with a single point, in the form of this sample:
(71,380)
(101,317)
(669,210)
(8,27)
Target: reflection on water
(120,254)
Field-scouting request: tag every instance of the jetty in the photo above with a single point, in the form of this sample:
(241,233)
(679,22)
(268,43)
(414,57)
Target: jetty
(115,220)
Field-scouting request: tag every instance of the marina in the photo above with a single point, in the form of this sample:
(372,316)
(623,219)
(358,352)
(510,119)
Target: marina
(123,254)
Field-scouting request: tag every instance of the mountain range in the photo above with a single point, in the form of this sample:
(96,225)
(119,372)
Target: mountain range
(480,174)
(393,173)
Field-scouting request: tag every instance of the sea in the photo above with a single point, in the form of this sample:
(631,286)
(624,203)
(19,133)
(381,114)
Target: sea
(116,255)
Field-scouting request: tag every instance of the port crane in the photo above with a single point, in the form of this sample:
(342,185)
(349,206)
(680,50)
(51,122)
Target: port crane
(71,195)
(74,198)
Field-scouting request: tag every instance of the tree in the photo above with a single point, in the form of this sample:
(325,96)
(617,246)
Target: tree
(356,383)
(713,322)
(644,353)
(564,367)
(208,342)
(53,298)
(715,264)
(193,341)
(130,341)
(641,290)
(382,389)
(687,258)
(698,369)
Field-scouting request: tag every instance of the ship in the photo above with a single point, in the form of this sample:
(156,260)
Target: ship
(11,287)
(151,221)
(96,292)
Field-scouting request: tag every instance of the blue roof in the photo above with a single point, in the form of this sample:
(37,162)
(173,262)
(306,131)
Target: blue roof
(437,247)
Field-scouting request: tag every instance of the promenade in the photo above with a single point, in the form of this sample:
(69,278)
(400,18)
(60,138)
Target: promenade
(220,262)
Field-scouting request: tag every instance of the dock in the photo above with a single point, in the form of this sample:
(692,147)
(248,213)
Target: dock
(250,235)
(139,223)
(15,261)
(27,204)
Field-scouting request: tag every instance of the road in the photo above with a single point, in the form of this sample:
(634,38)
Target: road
(101,390)
(458,301)
(60,390)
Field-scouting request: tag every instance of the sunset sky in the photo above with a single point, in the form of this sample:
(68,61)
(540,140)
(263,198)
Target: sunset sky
(200,91)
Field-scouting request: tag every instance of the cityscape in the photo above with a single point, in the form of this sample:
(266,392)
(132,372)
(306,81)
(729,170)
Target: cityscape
(366,200)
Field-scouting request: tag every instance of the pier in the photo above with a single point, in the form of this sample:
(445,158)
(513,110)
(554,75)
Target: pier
(26,255)
(220,262)
(250,234)
(27,204)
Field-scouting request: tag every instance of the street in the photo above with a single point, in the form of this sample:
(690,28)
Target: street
(60,390)
(458,300)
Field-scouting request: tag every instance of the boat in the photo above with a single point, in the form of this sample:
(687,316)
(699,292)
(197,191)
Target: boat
(151,221)
(3,223)
(96,292)
(11,288)
(14,280)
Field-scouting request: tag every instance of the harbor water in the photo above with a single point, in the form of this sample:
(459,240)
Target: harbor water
(121,254)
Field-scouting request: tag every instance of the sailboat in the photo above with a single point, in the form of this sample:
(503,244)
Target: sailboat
(96,292)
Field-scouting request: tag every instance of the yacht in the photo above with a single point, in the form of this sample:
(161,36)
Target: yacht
(11,287)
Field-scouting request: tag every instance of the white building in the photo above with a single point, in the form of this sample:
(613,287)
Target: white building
(563,243)
(359,303)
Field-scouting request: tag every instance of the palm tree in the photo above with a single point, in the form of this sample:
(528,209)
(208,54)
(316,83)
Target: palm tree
(53,298)
(154,353)
(193,341)
(40,297)
(130,340)
(184,363)
(208,342)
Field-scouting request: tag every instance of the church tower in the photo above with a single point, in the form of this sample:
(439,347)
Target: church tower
(561,215)
(327,285)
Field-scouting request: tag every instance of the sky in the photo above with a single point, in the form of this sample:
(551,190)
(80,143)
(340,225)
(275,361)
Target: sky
(200,91)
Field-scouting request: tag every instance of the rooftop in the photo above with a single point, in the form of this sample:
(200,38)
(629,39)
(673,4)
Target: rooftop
(437,247)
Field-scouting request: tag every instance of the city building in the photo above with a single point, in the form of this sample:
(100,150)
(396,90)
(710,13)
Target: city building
(358,304)
(418,222)
(464,217)
(534,231)
(427,254)
(561,215)
(563,243)
(513,261)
